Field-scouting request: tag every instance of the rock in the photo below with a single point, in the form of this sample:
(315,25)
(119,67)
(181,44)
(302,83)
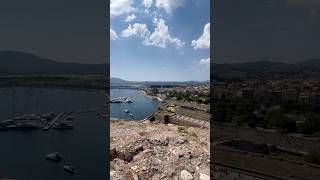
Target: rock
(113,153)
(143,168)
(161,154)
(203,177)
(135,176)
(180,141)
(185,175)
(113,173)
(135,168)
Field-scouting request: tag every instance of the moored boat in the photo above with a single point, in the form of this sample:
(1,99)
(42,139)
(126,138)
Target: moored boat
(70,169)
(56,156)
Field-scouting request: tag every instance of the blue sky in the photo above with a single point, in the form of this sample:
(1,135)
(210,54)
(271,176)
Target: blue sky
(160,40)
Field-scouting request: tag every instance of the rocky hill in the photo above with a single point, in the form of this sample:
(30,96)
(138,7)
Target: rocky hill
(145,150)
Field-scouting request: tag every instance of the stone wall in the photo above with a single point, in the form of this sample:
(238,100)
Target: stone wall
(299,144)
(188,121)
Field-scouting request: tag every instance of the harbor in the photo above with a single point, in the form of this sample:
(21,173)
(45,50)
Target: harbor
(82,147)
(45,121)
(140,107)
(122,100)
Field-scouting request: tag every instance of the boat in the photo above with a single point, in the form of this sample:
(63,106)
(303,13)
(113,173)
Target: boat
(126,111)
(121,100)
(56,156)
(70,169)
(131,115)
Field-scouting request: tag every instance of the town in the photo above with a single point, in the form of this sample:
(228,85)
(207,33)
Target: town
(268,118)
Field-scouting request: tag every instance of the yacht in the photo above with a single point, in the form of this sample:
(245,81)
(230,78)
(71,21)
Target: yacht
(56,156)
(70,169)
(126,111)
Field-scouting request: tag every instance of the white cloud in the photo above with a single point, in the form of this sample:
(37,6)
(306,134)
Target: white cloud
(113,34)
(161,36)
(147,3)
(204,39)
(136,29)
(130,18)
(169,5)
(205,62)
(120,7)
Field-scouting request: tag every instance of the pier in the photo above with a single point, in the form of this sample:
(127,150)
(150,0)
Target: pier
(53,121)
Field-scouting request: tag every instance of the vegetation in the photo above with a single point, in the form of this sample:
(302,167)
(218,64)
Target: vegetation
(187,96)
(286,117)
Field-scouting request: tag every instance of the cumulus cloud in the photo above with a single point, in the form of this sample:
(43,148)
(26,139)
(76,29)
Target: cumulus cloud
(205,62)
(130,18)
(120,7)
(161,36)
(147,3)
(169,5)
(113,34)
(204,39)
(136,29)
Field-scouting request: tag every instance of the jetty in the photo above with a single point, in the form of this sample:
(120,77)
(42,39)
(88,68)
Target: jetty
(54,120)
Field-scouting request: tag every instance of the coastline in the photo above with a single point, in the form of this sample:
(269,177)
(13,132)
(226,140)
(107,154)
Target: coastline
(152,97)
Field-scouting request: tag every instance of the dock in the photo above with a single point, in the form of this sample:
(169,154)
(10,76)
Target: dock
(54,120)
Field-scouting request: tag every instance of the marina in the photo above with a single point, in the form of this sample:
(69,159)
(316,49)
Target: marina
(141,107)
(45,121)
(24,151)
(122,100)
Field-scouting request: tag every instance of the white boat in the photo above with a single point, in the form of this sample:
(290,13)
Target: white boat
(121,100)
(70,169)
(131,115)
(126,111)
(56,156)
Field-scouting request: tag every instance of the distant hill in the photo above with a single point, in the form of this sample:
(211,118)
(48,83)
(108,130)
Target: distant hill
(120,82)
(312,65)
(21,63)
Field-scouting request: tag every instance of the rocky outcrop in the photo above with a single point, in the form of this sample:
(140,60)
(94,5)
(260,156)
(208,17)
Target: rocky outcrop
(145,150)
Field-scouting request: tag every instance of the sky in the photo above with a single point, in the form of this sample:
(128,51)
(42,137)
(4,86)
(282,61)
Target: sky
(276,30)
(62,30)
(160,40)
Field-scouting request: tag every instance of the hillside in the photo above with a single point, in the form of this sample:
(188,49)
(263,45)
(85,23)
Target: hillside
(120,82)
(21,63)
(269,66)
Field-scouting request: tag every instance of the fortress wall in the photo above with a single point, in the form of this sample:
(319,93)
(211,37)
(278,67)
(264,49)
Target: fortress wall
(228,132)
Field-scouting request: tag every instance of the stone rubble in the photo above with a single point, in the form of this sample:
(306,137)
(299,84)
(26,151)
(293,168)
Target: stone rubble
(146,150)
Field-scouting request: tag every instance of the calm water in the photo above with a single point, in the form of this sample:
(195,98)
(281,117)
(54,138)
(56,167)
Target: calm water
(141,107)
(84,147)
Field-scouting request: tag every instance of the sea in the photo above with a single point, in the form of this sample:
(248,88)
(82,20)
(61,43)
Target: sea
(22,152)
(141,107)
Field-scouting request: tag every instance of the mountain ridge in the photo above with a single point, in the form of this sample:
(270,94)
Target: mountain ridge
(265,65)
(17,63)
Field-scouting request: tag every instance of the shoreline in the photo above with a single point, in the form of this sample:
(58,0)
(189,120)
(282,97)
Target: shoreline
(152,97)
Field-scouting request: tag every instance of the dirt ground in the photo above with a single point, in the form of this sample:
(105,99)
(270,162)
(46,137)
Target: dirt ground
(145,150)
